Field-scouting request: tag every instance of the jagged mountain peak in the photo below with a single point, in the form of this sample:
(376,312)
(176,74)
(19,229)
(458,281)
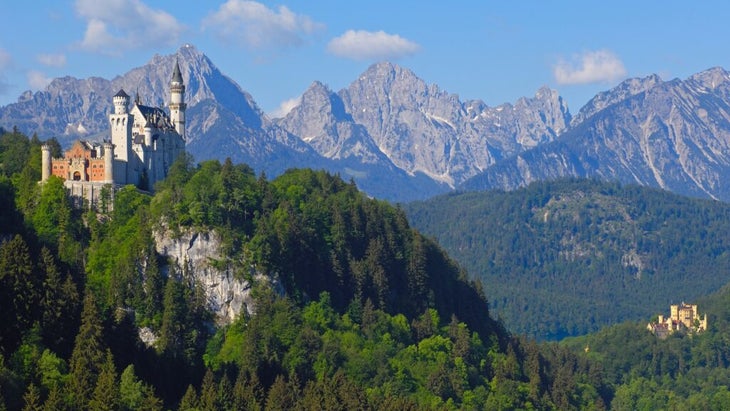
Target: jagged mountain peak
(711,78)
(626,89)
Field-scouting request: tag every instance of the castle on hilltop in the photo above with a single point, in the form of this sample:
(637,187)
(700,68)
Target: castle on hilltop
(144,143)
(683,316)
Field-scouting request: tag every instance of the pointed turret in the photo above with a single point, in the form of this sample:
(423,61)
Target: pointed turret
(176,75)
(177,100)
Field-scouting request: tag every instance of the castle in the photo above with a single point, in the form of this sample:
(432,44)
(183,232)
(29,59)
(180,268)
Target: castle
(145,141)
(681,317)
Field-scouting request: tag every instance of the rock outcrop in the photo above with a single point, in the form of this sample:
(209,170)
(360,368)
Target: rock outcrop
(196,254)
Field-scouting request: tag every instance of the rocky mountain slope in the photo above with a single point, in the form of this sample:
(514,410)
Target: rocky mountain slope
(400,138)
(672,135)
(396,136)
(395,117)
(222,120)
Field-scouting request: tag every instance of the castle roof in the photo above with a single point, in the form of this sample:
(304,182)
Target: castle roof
(176,75)
(121,93)
(154,116)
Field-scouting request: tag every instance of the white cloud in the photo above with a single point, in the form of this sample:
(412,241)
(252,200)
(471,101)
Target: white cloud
(114,26)
(256,26)
(37,80)
(590,67)
(368,45)
(53,60)
(285,107)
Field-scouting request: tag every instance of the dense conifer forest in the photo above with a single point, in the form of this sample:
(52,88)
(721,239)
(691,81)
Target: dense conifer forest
(564,258)
(370,314)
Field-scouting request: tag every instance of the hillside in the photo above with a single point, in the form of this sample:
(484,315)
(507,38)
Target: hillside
(569,257)
(681,372)
(347,307)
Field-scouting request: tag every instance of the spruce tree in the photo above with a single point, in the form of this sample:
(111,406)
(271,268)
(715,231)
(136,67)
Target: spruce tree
(88,356)
(54,402)
(106,392)
(32,398)
(208,393)
(189,401)
(18,292)
(131,389)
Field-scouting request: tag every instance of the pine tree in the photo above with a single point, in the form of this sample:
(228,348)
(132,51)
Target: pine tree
(282,396)
(246,393)
(150,402)
(54,402)
(208,394)
(52,303)
(225,393)
(88,356)
(106,392)
(32,398)
(171,339)
(131,389)
(189,401)
(18,292)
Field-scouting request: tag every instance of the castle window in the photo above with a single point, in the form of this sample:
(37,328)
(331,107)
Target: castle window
(77,176)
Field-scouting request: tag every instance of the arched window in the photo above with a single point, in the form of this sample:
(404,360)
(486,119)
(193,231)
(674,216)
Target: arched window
(77,176)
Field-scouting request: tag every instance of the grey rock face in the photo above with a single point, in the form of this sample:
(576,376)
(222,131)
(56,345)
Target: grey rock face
(401,139)
(227,296)
(671,135)
(424,129)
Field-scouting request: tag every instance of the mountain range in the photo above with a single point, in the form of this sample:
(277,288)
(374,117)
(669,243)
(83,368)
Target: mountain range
(401,139)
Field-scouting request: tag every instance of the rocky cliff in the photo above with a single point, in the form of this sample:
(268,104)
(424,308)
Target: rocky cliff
(227,294)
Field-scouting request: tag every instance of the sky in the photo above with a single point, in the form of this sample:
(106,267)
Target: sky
(494,51)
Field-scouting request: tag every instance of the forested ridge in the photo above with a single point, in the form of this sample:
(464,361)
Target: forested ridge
(370,314)
(565,258)
(373,315)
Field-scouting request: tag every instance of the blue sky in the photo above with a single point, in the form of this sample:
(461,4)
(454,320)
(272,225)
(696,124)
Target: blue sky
(493,51)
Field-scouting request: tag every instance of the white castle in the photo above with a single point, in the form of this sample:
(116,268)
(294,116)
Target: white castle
(145,141)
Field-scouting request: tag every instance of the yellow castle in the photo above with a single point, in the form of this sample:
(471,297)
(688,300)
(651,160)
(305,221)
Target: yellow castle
(682,317)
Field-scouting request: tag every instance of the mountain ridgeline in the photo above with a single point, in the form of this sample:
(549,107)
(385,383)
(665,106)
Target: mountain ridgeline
(396,136)
(402,139)
(568,257)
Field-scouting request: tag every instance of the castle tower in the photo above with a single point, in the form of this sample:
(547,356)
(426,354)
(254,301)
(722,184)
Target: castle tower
(108,162)
(121,130)
(45,162)
(177,101)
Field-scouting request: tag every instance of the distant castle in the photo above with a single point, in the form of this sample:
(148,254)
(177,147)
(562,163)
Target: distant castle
(682,317)
(145,141)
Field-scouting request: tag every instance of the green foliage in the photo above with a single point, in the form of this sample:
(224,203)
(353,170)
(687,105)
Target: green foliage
(374,315)
(87,359)
(567,257)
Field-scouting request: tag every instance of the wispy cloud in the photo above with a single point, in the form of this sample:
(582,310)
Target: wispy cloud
(114,26)
(285,107)
(368,45)
(53,60)
(590,67)
(37,80)
(256,26)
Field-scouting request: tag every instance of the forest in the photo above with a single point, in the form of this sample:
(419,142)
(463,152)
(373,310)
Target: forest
(568,257)
(371,315)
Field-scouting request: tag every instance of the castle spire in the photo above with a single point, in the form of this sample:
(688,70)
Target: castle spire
(176,75)
(177,100)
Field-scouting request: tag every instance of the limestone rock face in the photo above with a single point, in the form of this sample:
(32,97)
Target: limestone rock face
(673,135)
(422,128)
(227,295)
